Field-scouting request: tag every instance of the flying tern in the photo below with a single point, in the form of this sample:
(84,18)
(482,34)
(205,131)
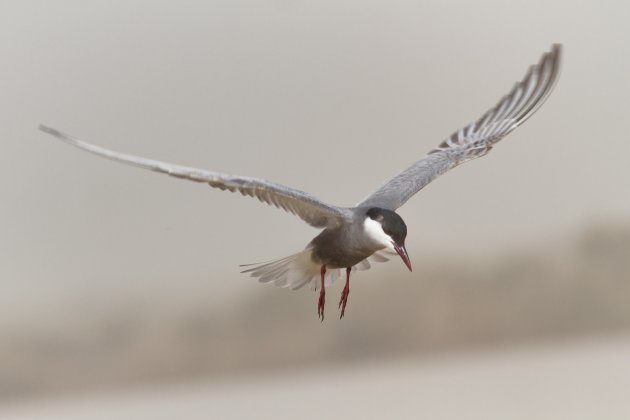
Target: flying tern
(354,236)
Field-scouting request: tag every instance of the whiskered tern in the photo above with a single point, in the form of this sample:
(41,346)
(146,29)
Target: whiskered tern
(354,236)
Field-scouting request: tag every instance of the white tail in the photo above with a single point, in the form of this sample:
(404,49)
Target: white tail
(293,271)
(298,270)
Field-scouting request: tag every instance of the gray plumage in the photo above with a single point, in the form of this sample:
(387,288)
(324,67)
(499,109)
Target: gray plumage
(477,138)
(351,236)
(308,208)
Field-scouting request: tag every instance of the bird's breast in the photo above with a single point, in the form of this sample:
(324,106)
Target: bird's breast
(341,247)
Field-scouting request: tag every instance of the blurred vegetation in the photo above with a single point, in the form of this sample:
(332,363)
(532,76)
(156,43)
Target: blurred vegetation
(445,306)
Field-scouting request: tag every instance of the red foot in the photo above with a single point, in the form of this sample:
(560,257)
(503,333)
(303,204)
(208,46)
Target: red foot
(322,295)
(344,295)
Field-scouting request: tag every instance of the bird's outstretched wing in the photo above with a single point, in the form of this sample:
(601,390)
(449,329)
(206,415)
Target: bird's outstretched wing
(308,208)
(476,139)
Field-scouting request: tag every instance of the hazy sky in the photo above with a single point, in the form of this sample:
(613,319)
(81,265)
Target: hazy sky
(331,97)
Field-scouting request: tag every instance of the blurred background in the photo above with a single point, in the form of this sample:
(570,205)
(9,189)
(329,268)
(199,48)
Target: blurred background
(120,289)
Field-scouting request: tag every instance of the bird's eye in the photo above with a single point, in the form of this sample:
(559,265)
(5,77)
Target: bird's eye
(375,214)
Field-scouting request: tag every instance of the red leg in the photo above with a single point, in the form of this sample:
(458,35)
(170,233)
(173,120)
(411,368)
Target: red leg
(322,295)
(345,293)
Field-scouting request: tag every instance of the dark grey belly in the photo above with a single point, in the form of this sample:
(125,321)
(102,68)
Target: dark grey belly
(337,260)
(339,249)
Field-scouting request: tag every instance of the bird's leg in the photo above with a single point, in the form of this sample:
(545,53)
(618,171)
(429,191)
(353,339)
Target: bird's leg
(346,291)
(322,295)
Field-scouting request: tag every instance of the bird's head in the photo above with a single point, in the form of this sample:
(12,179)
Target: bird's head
(387,229)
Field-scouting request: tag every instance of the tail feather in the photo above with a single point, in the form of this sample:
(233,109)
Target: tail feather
(294,271)
(298,270)
(306,280)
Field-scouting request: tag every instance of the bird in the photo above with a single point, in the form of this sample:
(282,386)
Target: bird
(353,237)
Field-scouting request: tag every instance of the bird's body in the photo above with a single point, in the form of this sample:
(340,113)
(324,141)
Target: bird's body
(350,245)
(352,242)
(343,246)
(354,236)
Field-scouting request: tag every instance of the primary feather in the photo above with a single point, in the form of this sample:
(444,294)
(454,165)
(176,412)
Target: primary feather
(477,138)
(308,208)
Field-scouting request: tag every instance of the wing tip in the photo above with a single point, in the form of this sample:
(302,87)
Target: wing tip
(48,130)
(555,56)
(58,134)
(556,49)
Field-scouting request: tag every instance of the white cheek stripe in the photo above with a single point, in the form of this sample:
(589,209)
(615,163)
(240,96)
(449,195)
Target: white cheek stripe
(375,232)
